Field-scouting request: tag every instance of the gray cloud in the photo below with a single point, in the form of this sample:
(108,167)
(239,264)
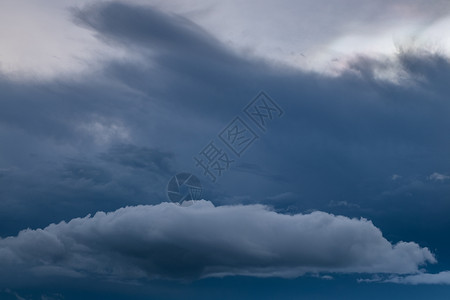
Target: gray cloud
(201,240)
(148,26)
(424,278)
(152,160)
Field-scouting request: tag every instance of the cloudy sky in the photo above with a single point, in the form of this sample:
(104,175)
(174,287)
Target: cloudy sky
(319,132)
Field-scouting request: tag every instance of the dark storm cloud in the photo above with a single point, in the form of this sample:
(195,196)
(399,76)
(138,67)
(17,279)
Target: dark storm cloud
(341,140)
(201,240)
(76,171)
(143,25)
(356,109)
(140,157)
(346,132)
(58,110)
(197,70)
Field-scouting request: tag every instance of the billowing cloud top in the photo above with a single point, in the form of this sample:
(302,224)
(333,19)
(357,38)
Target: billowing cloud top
(202,240)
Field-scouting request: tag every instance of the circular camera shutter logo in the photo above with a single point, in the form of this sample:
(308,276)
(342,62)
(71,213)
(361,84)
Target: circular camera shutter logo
(184,187)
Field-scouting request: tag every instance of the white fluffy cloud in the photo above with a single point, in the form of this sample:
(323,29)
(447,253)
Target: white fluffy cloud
(202,240)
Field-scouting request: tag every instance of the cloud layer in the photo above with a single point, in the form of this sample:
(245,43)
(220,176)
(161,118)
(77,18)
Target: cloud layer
(201,240)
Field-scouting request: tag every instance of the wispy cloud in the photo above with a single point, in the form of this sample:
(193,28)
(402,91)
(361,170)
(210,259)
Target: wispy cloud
(423,278)
(438,177)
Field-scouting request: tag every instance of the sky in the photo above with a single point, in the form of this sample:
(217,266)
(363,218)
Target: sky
(310,140)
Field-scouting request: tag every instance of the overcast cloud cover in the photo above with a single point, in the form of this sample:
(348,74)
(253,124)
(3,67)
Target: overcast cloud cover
(102,103)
